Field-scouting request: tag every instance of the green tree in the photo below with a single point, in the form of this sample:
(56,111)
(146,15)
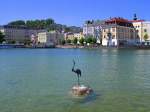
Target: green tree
(63,42)
(12,42)
(146,37)
(27,42)
(67,29)
(49,21)
(2,37)
(68,41)
(94,40)
(48,24)
(89,40)
(75,40)
(82,41)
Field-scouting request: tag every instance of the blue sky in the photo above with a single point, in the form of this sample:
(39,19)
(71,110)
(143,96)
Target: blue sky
(72,12)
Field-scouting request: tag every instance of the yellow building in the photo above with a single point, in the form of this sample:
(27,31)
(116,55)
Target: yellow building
(142,28)
(49,37)
(72,36)
(118,32)
(69,36)
(146,31)
(78,35)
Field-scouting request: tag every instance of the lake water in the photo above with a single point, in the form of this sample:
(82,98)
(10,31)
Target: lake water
(39,80)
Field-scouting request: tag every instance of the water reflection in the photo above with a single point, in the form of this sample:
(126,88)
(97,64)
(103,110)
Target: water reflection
(86,99)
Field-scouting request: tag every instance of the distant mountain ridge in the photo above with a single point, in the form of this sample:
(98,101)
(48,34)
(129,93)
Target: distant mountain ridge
(48,24)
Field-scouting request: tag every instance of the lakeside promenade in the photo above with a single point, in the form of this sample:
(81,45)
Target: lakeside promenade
(13,46)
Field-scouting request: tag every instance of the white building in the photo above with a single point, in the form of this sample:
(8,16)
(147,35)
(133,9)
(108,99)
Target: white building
(1,29)
(88,29)
(93,28)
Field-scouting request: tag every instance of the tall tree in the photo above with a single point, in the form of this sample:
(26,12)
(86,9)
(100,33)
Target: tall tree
(49,21)
(89,39)
(82,41)
(67,29)
(75,40)
(68,41)
(146,37)
(94,40)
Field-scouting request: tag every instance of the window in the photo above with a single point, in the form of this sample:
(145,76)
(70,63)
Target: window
(145,30)
(113,37)
(131,30)
(113,29)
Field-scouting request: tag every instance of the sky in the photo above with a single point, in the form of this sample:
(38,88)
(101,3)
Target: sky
(72,12)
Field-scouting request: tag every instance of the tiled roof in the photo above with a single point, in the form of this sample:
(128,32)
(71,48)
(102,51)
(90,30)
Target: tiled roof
(118,19)
(137,21)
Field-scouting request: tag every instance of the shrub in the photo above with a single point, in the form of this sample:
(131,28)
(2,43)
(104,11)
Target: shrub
(75,40)
(82,41)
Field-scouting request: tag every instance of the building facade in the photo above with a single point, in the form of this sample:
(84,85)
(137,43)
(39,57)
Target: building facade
(94,29)
(143,30)
(78,35)
(69,36)
(18,34)
(146,32)
(49,38)
(118,32)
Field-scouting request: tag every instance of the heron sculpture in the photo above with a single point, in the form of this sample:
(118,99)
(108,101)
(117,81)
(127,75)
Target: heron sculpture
(77,71)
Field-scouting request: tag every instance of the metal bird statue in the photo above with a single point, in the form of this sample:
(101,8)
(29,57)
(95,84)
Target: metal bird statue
(77,72)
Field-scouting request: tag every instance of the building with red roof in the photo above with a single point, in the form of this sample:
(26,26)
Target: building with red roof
(118,32)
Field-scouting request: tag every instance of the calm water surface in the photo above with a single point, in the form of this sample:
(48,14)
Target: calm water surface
(39,80)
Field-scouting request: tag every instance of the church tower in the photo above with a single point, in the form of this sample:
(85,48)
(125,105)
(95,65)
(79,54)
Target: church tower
(135,17)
